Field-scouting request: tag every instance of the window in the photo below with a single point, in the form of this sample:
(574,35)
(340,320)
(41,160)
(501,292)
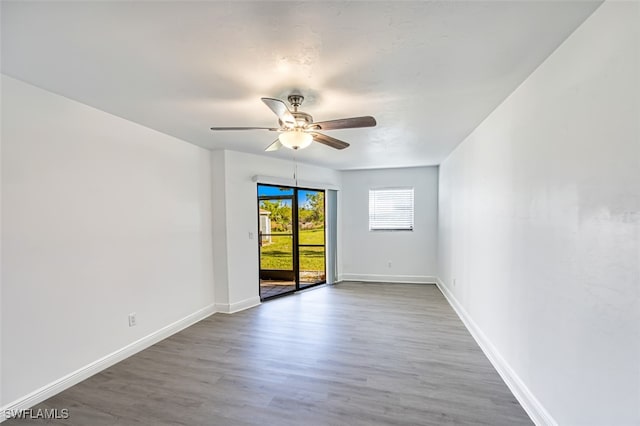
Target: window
(391,209)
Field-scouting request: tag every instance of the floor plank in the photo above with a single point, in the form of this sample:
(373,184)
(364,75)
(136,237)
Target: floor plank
(349,354)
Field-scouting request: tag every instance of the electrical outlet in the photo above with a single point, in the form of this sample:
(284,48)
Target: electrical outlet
(454,282)
(251,235)
(132,319)
(389,264)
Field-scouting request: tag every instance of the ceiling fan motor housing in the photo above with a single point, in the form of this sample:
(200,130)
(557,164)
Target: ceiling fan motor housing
(302,118)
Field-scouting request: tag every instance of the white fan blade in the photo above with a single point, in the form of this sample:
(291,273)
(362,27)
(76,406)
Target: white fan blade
(274,146)
(280,109)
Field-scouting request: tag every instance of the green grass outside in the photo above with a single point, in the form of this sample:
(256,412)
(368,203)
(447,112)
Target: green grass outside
(278,254)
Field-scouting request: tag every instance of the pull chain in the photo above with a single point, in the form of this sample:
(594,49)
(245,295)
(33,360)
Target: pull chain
(295,168)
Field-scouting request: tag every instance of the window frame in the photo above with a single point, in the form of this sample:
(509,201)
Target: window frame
(390,228)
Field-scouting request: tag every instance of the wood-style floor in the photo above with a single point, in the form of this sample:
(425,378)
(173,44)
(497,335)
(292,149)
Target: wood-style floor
(350,354)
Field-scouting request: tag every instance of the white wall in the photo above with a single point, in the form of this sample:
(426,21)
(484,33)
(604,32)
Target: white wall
(366,254)
(100,217)
(241,218)
(219,223)
(540,227)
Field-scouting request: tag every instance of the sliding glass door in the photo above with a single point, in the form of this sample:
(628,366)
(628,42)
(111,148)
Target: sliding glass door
(291,257)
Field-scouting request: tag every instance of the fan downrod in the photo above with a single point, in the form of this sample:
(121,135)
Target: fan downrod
(295,101)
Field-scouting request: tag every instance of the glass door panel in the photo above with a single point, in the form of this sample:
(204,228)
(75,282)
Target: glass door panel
(311,244)
(277,261)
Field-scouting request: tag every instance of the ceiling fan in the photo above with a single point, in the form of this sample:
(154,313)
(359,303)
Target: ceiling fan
(297,129)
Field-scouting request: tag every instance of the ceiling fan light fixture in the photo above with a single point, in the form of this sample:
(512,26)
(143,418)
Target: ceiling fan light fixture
(295,139)
(298,129)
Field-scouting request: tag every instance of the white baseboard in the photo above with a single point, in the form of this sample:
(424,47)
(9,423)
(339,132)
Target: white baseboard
(230,308)
(107,361)
(529,402)
(400,279)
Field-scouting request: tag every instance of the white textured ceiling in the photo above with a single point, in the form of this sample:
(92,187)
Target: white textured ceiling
(429,72)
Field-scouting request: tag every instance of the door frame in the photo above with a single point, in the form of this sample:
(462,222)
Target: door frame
(295,229)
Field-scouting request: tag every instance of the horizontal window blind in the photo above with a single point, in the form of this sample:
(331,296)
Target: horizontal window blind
(391,209)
